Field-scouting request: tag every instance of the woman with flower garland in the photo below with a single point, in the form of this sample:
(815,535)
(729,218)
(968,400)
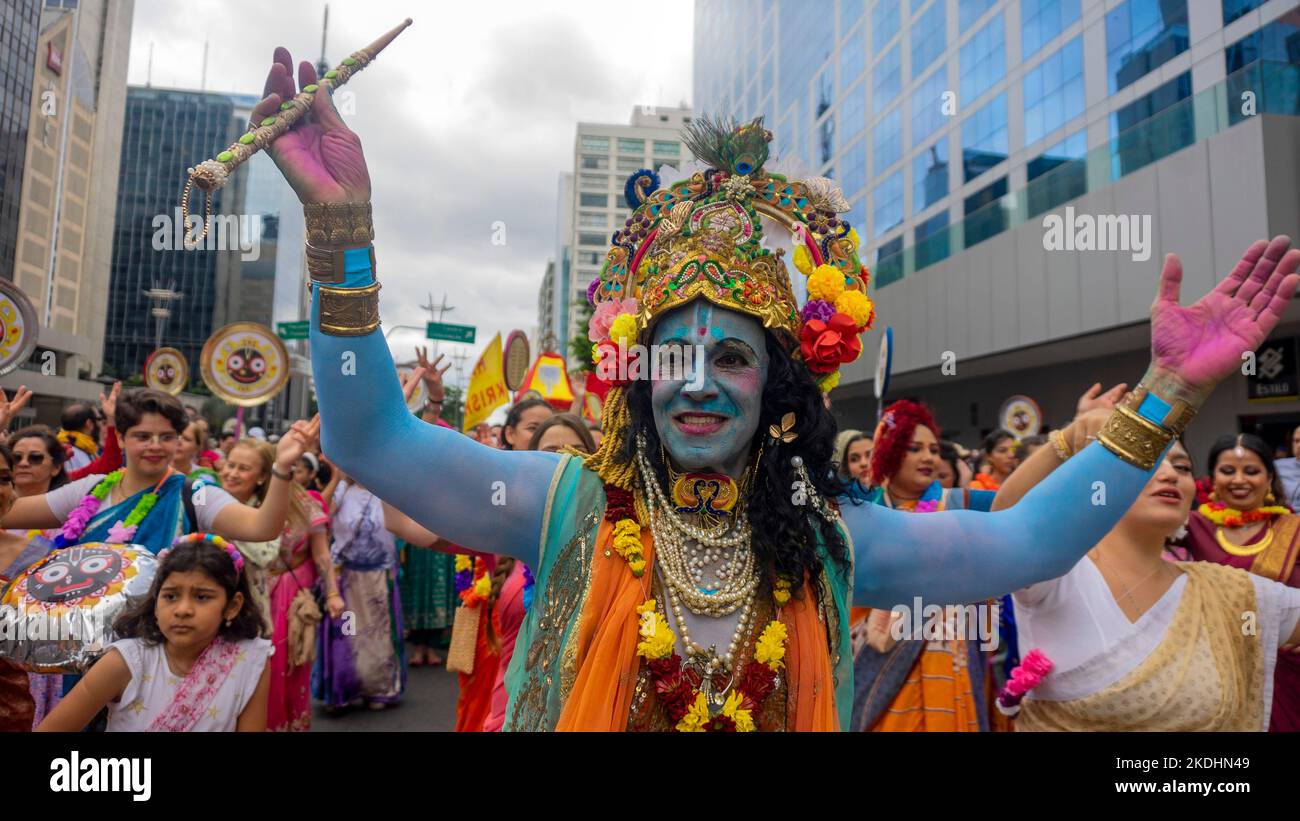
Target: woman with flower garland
(144,503)
(1137,643)
(1243,525)
(938,684)
(692,574)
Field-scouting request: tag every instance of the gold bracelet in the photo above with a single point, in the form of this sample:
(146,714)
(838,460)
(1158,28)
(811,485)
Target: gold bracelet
(349,311)
(1062,448)
(338,223)
(1176,421)
(1133,438)
(326,265)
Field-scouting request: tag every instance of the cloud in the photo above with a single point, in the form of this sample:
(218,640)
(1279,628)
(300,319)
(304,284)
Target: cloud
(467,120)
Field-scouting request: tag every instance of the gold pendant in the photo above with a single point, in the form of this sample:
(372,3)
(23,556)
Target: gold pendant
(1244,551)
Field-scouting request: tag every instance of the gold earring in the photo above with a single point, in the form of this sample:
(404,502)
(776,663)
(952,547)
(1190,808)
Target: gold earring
(1214,496)
(1270,498)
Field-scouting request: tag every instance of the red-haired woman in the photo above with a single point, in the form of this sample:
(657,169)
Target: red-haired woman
(935,684)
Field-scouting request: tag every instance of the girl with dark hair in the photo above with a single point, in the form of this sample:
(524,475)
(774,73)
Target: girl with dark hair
(999,449)
(190,659)
(949,473)
(522,422)
(563,430)
(1244,525)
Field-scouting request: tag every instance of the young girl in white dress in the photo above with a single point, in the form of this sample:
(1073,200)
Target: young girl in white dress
(190,660)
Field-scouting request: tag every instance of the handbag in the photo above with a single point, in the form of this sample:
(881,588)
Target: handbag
(464,639)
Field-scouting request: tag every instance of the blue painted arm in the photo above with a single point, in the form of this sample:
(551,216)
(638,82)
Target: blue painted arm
(961,556)
(445,481)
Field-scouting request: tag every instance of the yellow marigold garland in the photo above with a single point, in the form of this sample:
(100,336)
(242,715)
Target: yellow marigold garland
(657,639)
(770,647)
(856,305)
(627,543)
(826,283)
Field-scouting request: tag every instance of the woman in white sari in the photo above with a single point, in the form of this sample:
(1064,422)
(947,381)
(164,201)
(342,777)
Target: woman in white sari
(1139,642)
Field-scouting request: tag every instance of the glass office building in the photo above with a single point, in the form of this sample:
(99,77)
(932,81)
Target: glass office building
(954,125)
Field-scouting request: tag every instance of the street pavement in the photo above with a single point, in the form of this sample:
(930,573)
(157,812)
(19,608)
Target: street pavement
(428,705)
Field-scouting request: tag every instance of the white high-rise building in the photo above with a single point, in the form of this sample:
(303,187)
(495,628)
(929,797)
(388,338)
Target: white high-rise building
(592,205)
(955,127)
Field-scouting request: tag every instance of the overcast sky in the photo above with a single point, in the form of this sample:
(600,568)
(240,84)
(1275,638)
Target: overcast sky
(466,119)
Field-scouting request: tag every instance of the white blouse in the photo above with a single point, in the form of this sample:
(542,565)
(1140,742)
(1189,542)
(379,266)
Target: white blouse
(1075,619)
(153,685)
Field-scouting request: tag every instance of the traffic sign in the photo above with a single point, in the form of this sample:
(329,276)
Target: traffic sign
(292,330)
(450,332)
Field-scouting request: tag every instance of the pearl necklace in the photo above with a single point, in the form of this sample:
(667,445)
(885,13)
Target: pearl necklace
(682,566)
(708,659)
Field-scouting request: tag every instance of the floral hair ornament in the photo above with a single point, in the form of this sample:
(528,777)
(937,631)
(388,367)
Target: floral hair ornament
(213,539)
(703,238)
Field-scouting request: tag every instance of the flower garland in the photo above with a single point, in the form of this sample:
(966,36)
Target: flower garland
(473,582)
(123,531)
(620,509)
(1033,668)
(1224,516)
(684,703)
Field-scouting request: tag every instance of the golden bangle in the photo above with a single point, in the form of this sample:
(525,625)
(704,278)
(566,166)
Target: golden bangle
(349,311)
(326,265)
(1133,438)
(1062,448)
(338,223)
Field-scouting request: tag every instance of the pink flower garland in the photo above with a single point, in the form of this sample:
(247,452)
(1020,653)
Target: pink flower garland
(77,520)
(1033,668)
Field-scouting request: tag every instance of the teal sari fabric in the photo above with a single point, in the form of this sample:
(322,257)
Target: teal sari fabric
(165,521)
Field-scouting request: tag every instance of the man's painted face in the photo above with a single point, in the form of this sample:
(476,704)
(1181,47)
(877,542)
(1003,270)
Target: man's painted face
(707,423)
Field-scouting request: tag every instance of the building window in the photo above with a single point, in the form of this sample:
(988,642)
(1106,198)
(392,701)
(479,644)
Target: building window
(589,220)
(594,162)
(929,38)
(968,11)
(630,146)
(590,143)
(886,80)
(984,138)
(889,262)
(884,23)
(593,180)
(983,60)
(1273,86)
(1053,91)
(667,147)
(593,200)
(591,239)
(1278,42)
(853,174)
(630,163)
(931,239)
(588,257)
(850,13)
(852,58)
(1232,9)
(1138,143)
(1041,20)
(1059,174)
(888,140)
(927,105)
(930,176)
(853,113)
(1142,35)
(889,203)
(985,216)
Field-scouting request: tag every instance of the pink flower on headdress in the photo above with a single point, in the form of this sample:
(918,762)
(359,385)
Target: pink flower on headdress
(120,533)
(606,313)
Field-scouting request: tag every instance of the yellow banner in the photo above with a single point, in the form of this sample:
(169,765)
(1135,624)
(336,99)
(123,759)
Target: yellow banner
(487,386)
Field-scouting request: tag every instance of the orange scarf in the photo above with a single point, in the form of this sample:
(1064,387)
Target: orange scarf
(606,664)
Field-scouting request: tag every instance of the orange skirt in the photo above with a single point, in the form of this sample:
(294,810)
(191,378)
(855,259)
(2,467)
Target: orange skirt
(937,696)
(475,702)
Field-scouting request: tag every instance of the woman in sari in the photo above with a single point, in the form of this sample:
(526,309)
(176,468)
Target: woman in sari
(938,684)
(676,570)
(363,658)
(999,451)
(1137,642)
(281,574)
(1244,526)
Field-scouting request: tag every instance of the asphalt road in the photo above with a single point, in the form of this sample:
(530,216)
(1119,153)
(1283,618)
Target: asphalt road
(428,705)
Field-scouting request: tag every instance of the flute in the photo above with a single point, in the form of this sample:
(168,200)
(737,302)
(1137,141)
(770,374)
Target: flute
(214,173)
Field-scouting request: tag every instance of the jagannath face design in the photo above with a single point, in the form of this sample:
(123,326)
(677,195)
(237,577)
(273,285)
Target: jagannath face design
(166,373)
(75,574)
(246,365)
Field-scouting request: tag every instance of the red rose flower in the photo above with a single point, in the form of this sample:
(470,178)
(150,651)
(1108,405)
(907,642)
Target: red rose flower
(758,681)
(607,369)
(827,345)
